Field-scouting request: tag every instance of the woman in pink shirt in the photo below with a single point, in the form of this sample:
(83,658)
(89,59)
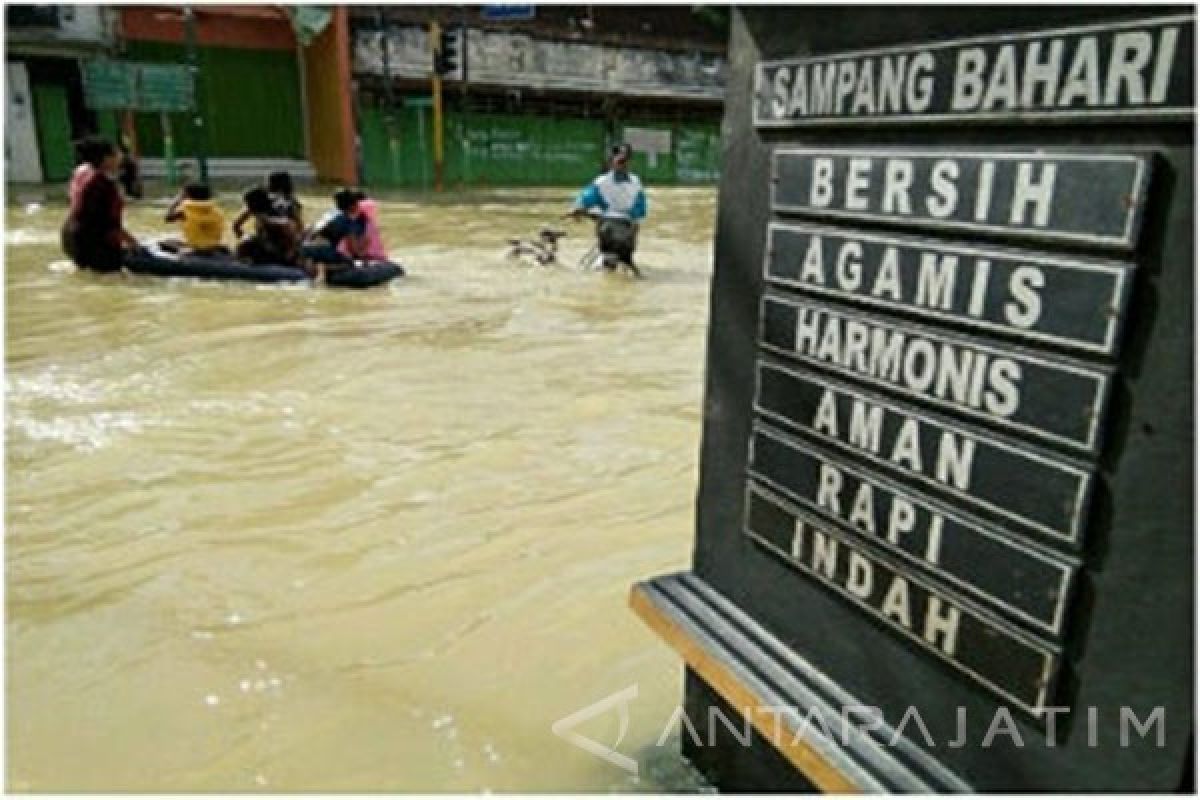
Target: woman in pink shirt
(372,240)
(87,150)
(79,179)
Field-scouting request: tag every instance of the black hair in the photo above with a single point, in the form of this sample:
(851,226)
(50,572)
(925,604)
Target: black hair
(345,199)
(257,200)
(197,191)
(93,150)
(623,149)
(280,182)
(359,195)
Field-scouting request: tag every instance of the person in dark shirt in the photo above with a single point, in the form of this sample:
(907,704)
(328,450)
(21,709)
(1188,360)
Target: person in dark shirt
(275,239)
(95,228)
(129,174)
(320,250)
(283,199)
(89,151)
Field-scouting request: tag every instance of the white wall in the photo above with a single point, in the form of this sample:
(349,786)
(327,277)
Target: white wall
(22,160)
(83,23)
(513,59)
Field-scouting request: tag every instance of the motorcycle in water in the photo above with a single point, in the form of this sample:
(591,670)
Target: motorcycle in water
(616,241)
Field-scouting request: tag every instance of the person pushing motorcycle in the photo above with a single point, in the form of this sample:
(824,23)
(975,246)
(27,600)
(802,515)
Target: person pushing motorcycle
(619,201)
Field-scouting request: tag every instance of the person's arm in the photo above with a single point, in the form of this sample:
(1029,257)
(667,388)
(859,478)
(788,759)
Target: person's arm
(174,214)
(357,237)
(588,199)
(638,212)
(240,221)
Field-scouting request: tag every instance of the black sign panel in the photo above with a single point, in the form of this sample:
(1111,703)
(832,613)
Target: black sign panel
(993,566)
(1069,301)
(1095,198)
(1016,667)
(997,480)
(1116,70)
(1056,400)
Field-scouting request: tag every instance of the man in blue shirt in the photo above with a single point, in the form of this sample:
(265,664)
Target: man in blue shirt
(619,198)
(320,249)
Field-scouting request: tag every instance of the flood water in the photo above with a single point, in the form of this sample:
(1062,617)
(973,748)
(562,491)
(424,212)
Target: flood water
(271,539)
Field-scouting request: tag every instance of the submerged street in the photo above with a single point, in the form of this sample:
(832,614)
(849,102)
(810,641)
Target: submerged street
(283,538)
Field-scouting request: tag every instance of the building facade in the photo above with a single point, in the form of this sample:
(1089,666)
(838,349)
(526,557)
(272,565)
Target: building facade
(538,100)
(43,92)
(268,99)
(343,93)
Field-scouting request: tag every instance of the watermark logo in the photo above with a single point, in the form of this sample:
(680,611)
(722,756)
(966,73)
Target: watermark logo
(1122,726)
(620,700)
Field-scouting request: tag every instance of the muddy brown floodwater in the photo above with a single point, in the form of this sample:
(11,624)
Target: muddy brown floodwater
(270,539)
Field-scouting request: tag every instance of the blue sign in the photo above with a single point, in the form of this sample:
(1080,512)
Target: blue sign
(508,12)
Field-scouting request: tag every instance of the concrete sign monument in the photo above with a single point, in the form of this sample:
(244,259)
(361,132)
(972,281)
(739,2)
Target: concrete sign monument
(945,527)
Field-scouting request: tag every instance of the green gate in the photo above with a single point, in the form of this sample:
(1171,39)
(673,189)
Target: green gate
(396,146)
(54,131)
(250,100)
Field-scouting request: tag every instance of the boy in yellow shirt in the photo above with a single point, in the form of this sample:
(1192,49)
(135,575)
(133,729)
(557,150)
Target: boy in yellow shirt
(202,221)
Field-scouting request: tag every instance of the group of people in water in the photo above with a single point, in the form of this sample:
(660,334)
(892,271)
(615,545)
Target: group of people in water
(270,229)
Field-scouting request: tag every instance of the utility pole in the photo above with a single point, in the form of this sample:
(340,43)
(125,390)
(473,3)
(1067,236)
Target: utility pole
(463,106)
(201,133)
(435,38)
(390,112)
(168,148)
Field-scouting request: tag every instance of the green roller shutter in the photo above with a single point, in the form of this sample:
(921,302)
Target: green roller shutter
(250,99)
(108,125)
(396,146)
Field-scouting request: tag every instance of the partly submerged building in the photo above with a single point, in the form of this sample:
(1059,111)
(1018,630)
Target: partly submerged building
(270,97)
(272,90)
(343,94)
(43,94)
(536,97)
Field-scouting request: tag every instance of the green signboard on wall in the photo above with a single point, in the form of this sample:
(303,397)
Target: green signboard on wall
(109,85)
(164,87)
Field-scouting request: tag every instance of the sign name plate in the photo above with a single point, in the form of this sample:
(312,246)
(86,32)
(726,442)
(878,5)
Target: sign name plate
(1068,301)
(1095,198)
(996,568)
(1135,69)
(1015,667)
(998,480)
(1056,400)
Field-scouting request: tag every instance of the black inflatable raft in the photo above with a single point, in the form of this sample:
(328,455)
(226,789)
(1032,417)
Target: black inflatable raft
(152,260)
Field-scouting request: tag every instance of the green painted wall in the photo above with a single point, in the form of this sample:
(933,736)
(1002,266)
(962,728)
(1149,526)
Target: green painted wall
(657,168)
(512,150)
(520,150)
(250,98)
(693,157)
(697,153)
